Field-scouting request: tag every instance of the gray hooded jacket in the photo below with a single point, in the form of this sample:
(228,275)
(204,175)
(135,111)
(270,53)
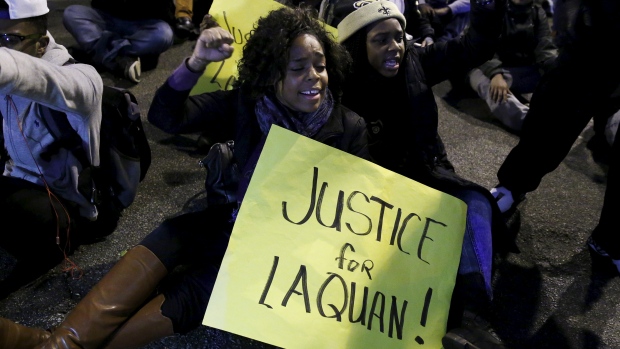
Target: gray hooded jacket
(26,84)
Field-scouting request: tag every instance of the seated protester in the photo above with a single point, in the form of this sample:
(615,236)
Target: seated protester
(402,121)
(39,196)
(121,36)
(526,50)
(448,18)
(419,27)
(283,80)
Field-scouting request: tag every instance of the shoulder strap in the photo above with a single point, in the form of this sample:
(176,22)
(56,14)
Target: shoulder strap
(66,137)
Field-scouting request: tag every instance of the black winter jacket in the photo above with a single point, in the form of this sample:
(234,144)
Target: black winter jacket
(401,112)
(226,115)
(526,40)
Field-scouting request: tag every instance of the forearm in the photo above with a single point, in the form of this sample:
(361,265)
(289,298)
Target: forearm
(73,88)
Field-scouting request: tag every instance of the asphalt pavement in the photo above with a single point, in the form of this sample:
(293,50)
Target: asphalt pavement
(550,292)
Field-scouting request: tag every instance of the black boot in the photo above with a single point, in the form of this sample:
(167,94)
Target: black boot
(474,330)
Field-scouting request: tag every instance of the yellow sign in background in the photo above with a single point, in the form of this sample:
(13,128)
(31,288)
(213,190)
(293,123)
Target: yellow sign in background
(237,17)
(332,251)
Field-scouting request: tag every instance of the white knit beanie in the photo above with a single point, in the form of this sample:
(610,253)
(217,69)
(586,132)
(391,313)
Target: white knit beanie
(358,14)
(19,9)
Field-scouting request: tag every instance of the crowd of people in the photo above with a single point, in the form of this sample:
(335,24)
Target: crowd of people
(294,74)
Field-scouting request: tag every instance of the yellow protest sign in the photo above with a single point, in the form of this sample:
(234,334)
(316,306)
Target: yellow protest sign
(332,251)
(237,17)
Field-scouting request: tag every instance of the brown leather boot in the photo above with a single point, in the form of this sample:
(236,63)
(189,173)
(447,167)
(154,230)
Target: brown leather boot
(111,302)
(147,325)
(16,336)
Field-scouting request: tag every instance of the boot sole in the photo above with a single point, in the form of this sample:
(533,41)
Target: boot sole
(453,341)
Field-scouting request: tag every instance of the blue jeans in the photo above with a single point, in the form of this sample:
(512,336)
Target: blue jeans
(104,37)
(477,251)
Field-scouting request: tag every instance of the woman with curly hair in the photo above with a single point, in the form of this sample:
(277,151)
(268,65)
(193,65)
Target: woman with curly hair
(283,80)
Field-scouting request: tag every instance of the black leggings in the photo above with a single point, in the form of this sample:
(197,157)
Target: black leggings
(35,230)
(195,242)
(31,226)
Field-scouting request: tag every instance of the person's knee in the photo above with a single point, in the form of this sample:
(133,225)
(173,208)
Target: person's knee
(187,298)
(72,11)
(76,12)
(164,38)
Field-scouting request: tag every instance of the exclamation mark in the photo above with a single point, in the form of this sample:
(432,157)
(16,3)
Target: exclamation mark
(427,303)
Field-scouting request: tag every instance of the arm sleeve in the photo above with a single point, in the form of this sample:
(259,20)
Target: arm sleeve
(174,111)
(546,51)
(72,88)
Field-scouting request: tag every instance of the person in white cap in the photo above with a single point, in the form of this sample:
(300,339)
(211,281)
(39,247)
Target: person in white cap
(39,194)
(391,88)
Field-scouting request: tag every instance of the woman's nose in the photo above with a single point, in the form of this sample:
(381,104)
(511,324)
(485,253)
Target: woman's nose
(313,74)
(393,45)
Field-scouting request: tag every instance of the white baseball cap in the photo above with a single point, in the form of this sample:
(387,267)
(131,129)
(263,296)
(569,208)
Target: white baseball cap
(23,9)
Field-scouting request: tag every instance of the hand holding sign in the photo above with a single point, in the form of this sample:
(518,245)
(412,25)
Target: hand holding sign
(332,251)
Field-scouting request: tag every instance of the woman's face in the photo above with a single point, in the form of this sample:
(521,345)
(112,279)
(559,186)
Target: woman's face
(385,46)
(304,85)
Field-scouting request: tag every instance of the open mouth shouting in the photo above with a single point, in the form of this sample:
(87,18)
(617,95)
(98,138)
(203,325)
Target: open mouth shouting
(392,63)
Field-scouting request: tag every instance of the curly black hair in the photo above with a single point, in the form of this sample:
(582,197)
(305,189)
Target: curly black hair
(265,54)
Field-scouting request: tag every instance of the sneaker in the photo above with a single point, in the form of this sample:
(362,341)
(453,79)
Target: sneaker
(506,199)
(129,67)
(596,248)
(134,70)
(474,333)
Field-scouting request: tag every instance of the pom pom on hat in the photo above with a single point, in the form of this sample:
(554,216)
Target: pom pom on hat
(351,16)
(18,9)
